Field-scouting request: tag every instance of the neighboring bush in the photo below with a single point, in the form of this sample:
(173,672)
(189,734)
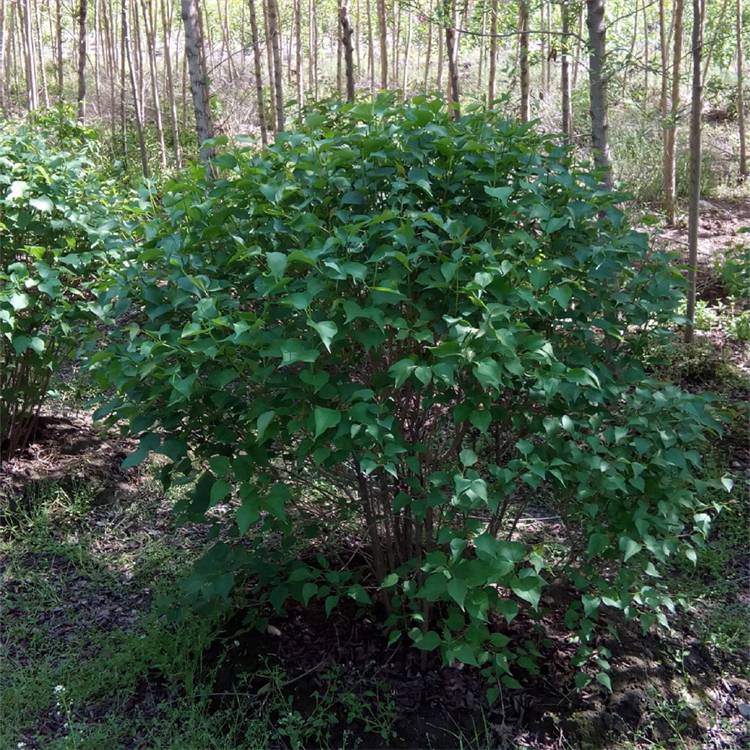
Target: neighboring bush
(416,325)
(733,268)
(55,217)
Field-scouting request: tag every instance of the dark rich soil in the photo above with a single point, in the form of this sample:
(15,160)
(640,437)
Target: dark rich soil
(68,450)
(438,704)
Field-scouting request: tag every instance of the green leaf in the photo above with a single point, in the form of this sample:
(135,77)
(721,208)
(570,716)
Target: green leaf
(501,193)
(581,680)
(325,419)
(457,590)
(326,330)
(263,421)
(561,295)
(389,581)
(220,489)
(19,301)
(42,203)
(277,263)
(247,515)
(330,603)
(308,591)
(358,593)
(629,546)
(603,679)
(468,457)
(428,641)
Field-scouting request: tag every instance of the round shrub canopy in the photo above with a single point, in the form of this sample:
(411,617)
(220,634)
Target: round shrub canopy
(418,328)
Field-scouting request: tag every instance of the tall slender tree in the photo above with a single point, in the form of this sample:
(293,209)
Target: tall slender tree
(523,56)
(695,166)
(198,76)
(598,88)
(258,73)
(741,94)
(670,131)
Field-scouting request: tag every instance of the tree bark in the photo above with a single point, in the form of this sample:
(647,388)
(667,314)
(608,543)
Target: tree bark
(492,74)
(198,79)
(2,55)
(273,27)
(741,95)
(346,42)
(695,168)
(258,74)
(166,20)
(598,89)
(28,43)
(298,54)
(383,32)
(567,112)
(407,55)
(523,57)
(670,133)
(134,89)
(451,49)
(149,26)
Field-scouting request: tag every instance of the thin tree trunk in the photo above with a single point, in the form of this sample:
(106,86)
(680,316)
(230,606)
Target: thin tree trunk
(695,167)
(670,134)
(40,49)
(273,26)
(543,46)
(567,112)
(646,51)
(269,57)
(523,56)
(149,26)
(258,74)
(428,55)
(492,75)
(28,42)
(134,89)
(166,19)
(346,43)
(298,54)
(339,52)
(598,89)
(451,50)
(407,54)
(3,8)
(482,47)
(579,44)
(198,83)
(441,56)
(741,95)
(370,49)
(59,46)
(383,31)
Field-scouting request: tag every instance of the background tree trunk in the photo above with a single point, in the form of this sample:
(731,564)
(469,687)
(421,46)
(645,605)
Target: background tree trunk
(451,50)
(258,73)
(198,78)
(492,74)
(598,89)
(741,95)
(567,112)
(523,57)
(346,41)
(383,32)
(670,133)
(695,167)
(273,28)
